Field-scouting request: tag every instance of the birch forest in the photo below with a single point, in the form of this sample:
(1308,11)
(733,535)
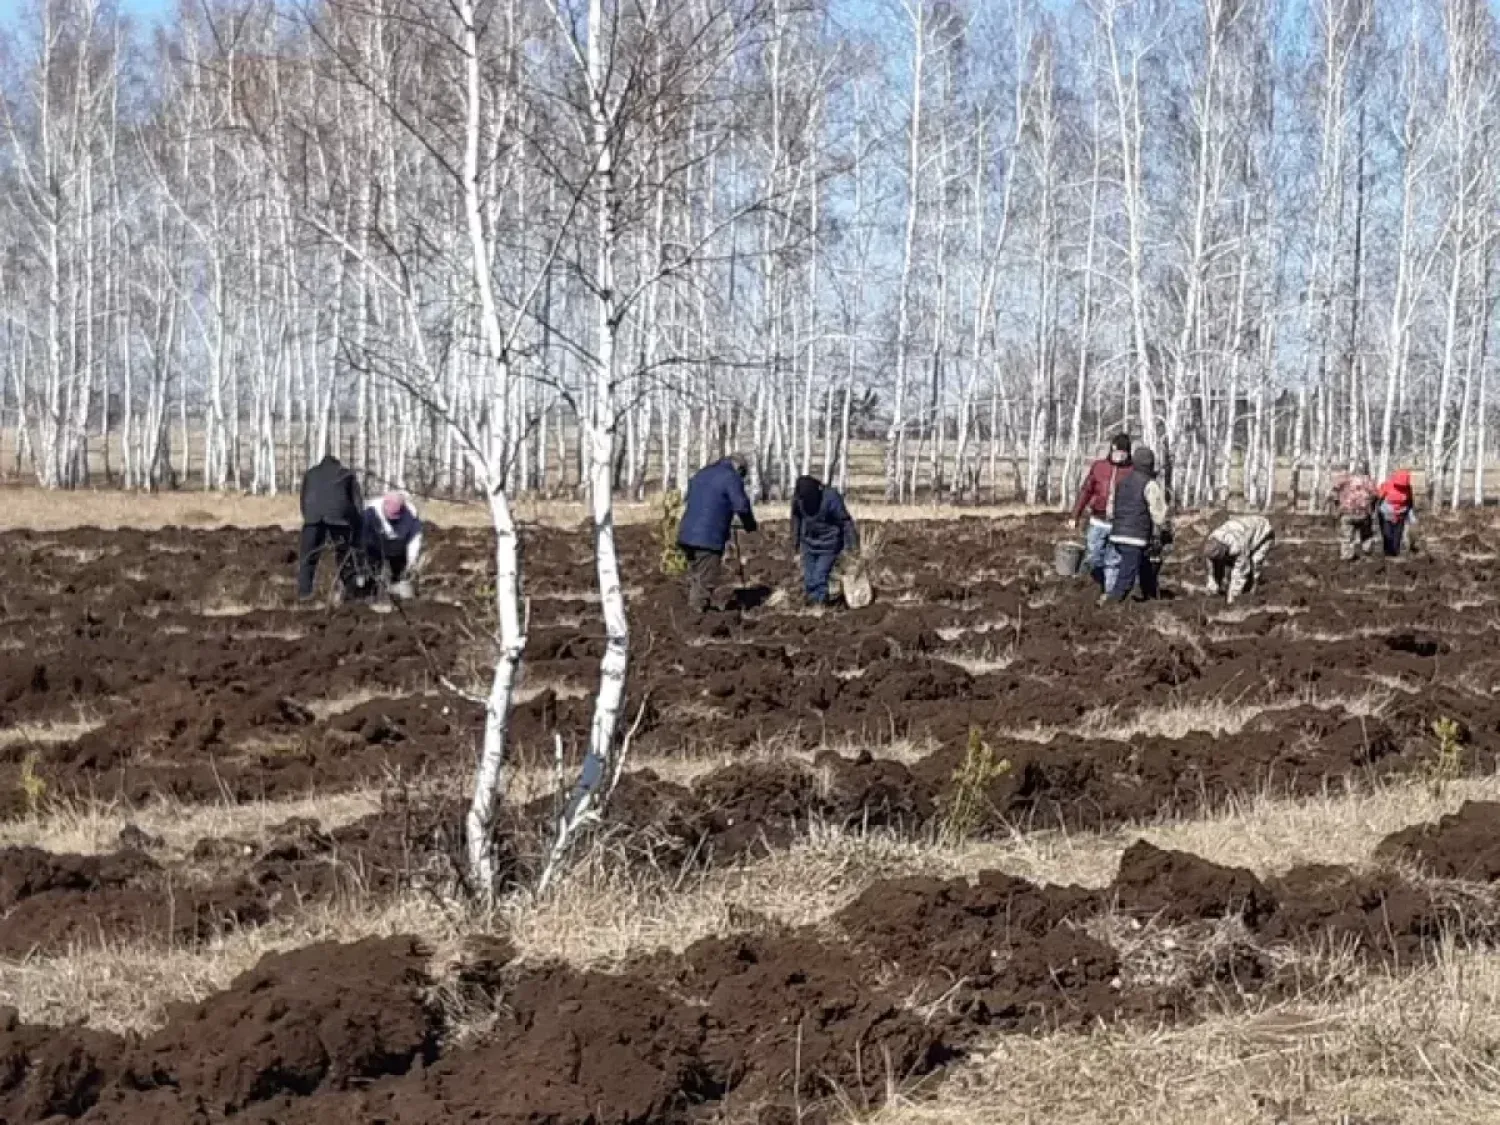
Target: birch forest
(935,249)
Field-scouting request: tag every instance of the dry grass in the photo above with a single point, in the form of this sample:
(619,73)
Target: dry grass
(609,911)
(1398,1050)
(1217,716)
(1213,716)
(40,510)
(325,709)
(1270,835)
(232,608)
(980,661)
(129,988)
(91,828)
(951,633)
(41,734)
(534,686)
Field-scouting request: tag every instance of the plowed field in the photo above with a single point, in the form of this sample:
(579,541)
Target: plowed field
(232,823)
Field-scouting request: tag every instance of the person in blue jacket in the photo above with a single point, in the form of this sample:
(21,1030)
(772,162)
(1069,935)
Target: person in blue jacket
(391,535)
(715,496)
(822,529)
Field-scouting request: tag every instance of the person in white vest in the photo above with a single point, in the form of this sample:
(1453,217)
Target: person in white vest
(393,542)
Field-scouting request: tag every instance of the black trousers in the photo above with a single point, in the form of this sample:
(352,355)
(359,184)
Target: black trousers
(382,556)
(1391,534)
(1136,565)
(318,539)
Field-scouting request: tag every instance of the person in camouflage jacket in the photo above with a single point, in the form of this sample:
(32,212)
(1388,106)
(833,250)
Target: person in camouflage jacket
(1354,496)
(1236,552)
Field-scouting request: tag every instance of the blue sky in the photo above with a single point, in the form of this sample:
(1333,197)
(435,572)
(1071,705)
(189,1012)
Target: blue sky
(145,9)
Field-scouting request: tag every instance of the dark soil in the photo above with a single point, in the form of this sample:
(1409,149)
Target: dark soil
(772,1025)
(1465,845)
(209,707)
(50,901)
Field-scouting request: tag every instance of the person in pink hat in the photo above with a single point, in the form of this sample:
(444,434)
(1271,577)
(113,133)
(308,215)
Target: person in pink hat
(393,542)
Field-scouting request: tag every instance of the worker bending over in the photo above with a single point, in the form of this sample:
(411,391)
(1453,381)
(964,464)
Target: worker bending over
(1396,511)
(822,529)
(1355,495)
(392,534)
(331,504)
(1236,552)
(715,497)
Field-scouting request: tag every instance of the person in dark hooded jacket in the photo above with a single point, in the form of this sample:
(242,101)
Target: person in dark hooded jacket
(331,503)
(716,496)
(822,529)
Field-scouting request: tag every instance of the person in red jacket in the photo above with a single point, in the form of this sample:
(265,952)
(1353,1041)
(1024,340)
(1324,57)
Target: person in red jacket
(1395,511)
(1097,498)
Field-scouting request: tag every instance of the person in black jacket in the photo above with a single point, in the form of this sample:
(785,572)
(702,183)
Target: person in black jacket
(822,529)
(331,504)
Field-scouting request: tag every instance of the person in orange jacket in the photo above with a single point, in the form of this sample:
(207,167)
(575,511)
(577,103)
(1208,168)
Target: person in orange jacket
(1395,511)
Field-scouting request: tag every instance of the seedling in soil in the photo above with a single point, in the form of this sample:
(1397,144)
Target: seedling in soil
(33,786)
(1447,762)
(673,561)
(971,779)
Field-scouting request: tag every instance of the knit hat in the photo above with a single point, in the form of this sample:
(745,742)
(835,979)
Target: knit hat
(1144,460)
(392,504)
(809,495)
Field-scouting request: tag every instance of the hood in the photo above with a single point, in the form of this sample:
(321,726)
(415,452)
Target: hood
(1144,460)
(809,496)
(1402,480)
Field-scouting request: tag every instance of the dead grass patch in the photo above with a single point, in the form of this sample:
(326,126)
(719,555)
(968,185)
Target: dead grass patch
(608,911)
(951,633)
(1270,835)
(1217,716)
(124,988)
(230,608)
(91,828)
(333,706)
(1408,1049)
(1235,616)
(531,688)
(26,734)
(980,661)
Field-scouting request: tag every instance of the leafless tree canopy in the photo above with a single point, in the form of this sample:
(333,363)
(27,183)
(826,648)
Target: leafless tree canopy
(481,244)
